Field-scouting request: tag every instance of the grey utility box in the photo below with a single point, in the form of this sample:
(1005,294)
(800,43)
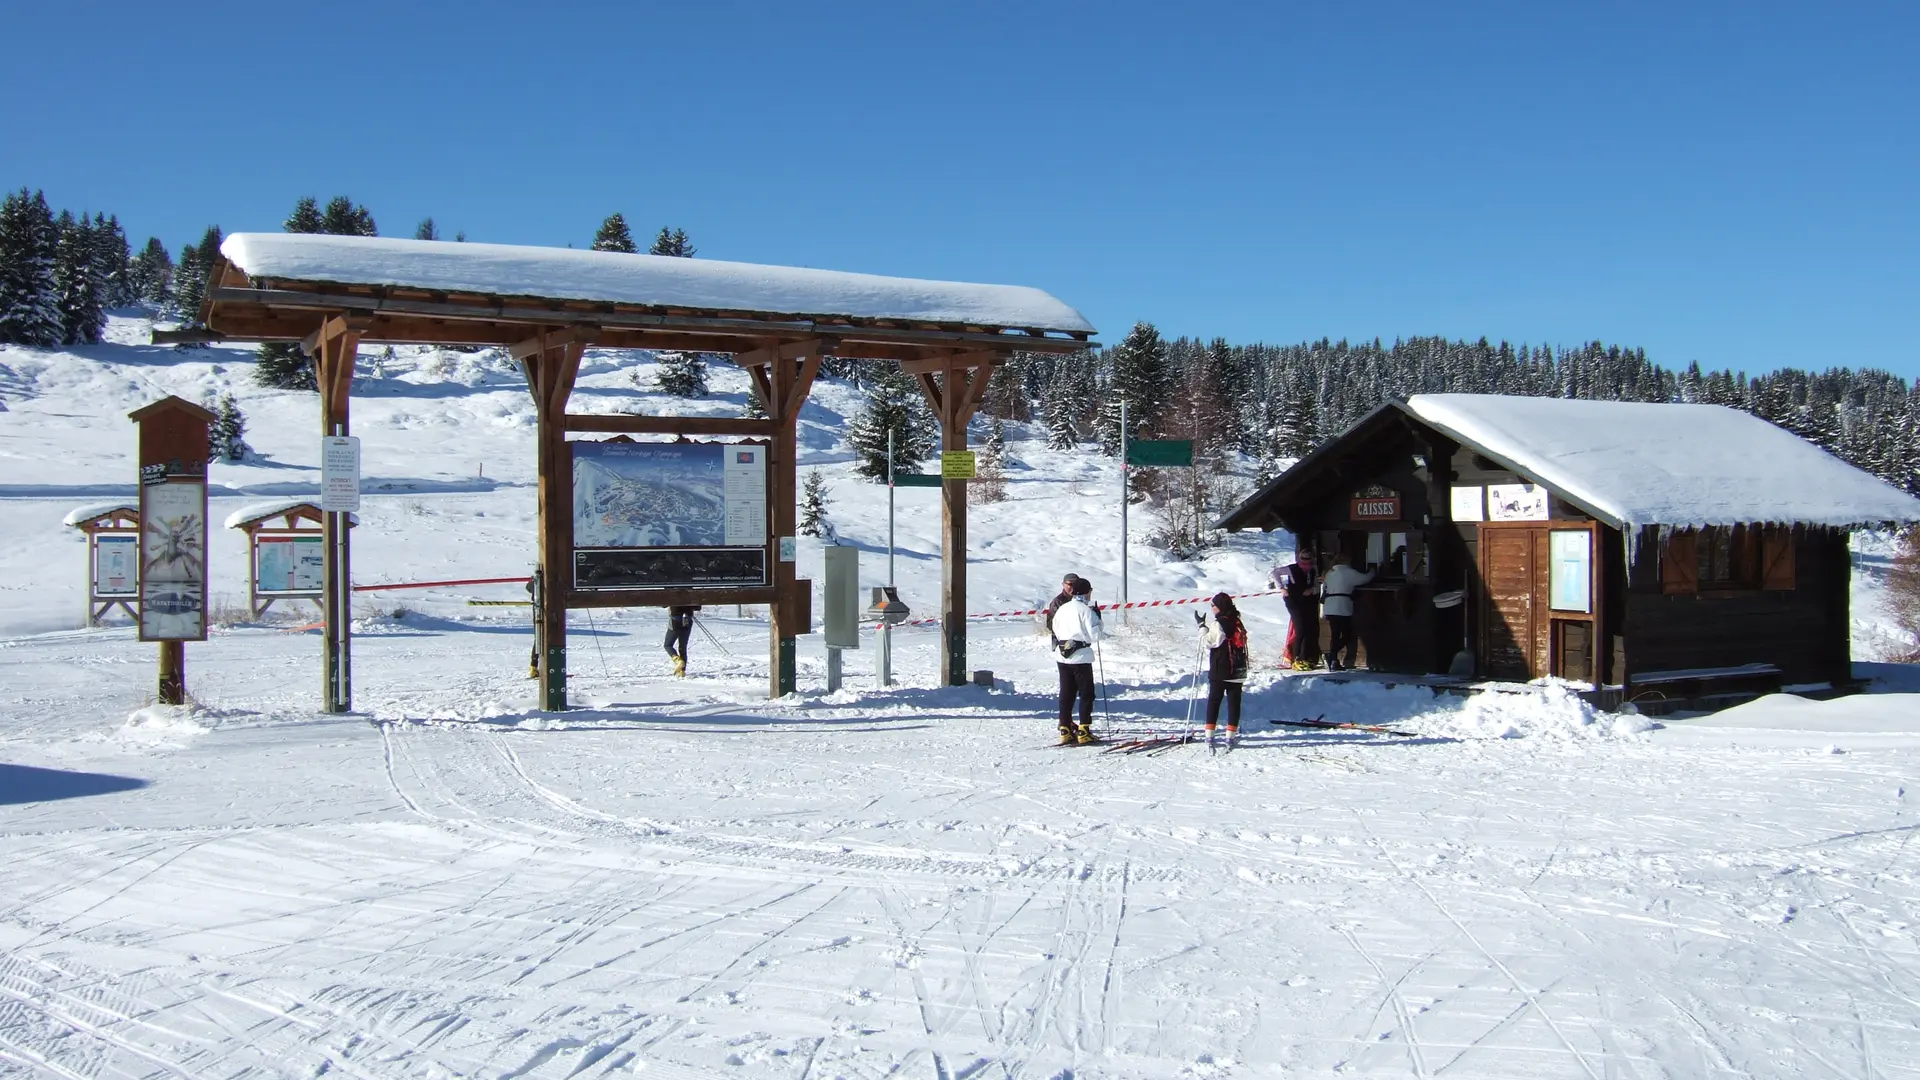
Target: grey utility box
(842,597)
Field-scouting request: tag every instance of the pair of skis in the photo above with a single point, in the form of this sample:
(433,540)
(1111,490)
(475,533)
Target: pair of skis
(1322,722)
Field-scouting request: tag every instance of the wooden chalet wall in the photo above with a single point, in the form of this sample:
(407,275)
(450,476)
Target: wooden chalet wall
(1805,631)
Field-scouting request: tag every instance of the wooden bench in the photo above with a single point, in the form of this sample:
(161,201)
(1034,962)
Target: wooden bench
(1664,691)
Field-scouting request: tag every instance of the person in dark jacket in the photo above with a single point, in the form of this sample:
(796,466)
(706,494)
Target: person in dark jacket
(1225,637)
(679,629)
(1299,584)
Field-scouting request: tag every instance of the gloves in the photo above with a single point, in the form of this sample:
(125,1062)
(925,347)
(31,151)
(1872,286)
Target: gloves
(1199,618)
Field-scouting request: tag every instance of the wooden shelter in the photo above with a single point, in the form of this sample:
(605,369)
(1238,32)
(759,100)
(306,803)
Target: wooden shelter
(547,306)
(113,557)
(1631,546)
(283,539)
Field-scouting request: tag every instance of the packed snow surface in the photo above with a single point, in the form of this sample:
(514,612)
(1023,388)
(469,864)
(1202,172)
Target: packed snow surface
(654,280)
(1655,464)
(680,878)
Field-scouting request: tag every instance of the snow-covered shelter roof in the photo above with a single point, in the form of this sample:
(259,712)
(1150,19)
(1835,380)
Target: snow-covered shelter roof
(1636,463)
(81,514)
(272,508)
(517,284)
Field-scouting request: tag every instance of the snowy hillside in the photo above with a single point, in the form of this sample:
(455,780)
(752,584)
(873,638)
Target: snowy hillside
(679,878)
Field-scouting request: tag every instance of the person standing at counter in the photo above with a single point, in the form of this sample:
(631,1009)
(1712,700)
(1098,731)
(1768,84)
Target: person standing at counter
(1299,584)
(1336,594)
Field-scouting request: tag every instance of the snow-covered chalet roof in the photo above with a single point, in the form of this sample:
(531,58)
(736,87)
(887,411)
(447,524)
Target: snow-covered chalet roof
(1651,464)
(650,280)
(272,508)
(93,510)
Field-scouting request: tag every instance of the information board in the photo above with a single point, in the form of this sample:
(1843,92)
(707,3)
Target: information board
(289,565)
(668,515)
(116,564)
(1570,576)
(173,561)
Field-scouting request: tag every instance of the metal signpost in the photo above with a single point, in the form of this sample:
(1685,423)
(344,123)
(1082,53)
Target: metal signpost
(339,498)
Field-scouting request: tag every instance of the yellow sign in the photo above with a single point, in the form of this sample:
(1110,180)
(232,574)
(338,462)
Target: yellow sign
(956,465)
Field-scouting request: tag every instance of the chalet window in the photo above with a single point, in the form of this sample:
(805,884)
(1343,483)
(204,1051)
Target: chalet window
(1727,558)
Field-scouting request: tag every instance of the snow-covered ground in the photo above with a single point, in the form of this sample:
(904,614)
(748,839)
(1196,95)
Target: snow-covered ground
(679,878)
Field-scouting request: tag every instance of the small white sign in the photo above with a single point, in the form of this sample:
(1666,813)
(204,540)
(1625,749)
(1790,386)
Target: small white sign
(788,549)
(340,473)
(1469,504)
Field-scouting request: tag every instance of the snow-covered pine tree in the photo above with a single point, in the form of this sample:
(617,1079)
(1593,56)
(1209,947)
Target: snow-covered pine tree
(344,217)
(682,374)
(813,506)
(1297,431)
(83,313)
(990,471)
(672,242)
(29,294)
(112,261)
(425,230)
(190,275)
(151,273)
(893,404)
(613,235)
(1138,373)
(1057,411)
(229,429)
(305,217)
(754,409)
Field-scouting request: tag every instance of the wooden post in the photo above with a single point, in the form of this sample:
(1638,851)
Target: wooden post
(963,379)
(173,673)
(790,375)
(552,361)
(333,348)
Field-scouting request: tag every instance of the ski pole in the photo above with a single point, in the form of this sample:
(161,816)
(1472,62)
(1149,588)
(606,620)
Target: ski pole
(1105,715)
(1193,690)
(697,621)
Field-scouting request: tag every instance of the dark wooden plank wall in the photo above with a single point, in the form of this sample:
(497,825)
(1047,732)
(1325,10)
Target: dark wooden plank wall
(1804,632)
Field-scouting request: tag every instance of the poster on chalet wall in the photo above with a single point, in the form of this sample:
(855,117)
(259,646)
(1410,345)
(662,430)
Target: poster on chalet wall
(1469,503)
(1516,502)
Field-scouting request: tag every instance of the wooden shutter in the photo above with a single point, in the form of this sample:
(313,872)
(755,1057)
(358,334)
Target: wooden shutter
(1776,558)
(1679,562)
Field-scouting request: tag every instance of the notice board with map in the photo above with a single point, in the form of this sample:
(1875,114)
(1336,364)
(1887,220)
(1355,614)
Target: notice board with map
(669,515)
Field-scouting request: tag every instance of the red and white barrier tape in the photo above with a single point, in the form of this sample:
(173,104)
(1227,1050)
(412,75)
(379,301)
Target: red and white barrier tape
(1103,607)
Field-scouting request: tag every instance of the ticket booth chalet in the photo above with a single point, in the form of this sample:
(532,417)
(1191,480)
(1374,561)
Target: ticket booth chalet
(1616,544)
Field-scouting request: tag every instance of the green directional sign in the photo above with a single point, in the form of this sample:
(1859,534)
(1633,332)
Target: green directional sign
(1151,453)
(909,479)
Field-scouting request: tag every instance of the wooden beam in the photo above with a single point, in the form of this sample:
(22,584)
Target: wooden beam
(933,392)
(764,387)
(558,338)
(791,350)
(802,383)
(757,594)
(977,381)
(629,424)
(933,365)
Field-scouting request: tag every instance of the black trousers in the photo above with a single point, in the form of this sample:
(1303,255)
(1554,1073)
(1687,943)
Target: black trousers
(1216,690)
(1076,684)
(677,636)
(1303,627)
(1342,643)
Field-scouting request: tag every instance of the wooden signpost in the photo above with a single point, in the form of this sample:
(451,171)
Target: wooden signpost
(173,534)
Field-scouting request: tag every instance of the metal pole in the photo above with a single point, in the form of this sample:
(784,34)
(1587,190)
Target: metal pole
(833,670)
(886,628)
(1123,512)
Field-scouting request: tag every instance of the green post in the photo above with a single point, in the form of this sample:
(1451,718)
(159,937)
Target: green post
(553,692)
(789,677)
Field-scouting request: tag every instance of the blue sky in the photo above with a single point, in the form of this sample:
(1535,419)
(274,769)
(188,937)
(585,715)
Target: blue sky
(1737,184)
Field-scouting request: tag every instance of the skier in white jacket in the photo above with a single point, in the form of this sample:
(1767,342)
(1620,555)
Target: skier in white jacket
(1076,626)
(1336,592)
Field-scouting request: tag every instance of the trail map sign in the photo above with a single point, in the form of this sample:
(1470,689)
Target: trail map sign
(669,515)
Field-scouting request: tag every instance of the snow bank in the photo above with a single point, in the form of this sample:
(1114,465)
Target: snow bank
(1885,714)
(653,280)
(163,724)
(1656,464)
(1548,710)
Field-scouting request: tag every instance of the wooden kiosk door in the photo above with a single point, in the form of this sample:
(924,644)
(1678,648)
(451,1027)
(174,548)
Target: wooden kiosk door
(1540,600)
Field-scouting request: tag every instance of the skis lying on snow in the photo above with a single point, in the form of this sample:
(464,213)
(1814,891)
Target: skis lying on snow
(1322,722)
